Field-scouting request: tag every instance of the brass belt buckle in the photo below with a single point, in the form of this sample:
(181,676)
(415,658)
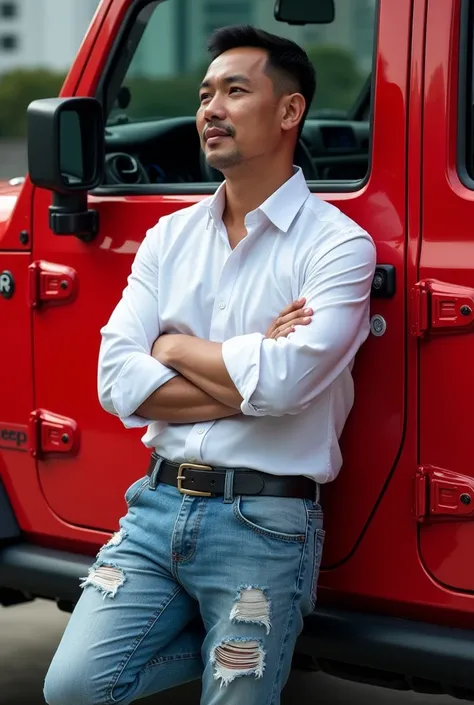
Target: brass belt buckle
(181,477)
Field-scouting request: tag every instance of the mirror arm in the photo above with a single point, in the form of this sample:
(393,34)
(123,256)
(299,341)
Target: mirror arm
(69,215)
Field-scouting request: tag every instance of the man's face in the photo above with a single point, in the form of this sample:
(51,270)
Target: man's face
(240,115)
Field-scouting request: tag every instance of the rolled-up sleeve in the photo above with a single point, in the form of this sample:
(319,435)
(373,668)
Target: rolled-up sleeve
(283,376)
(127,373)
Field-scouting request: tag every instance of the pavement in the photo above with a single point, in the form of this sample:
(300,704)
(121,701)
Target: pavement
(30,633)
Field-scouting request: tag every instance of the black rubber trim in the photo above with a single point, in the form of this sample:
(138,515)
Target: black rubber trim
(465,158)
(9,528)
(205,188)
(43,572)
(416,649)
(122,52)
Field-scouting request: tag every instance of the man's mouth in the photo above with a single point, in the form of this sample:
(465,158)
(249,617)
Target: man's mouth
(214,134)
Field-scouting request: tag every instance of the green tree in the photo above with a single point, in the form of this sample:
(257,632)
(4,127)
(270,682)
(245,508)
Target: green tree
(338,78)
(17,89)
(162,97)
(338,84)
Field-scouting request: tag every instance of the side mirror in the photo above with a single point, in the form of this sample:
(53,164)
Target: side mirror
(65,143)
(66,155)
(305,11)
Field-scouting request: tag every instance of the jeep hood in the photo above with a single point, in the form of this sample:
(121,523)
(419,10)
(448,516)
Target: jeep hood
(9,193)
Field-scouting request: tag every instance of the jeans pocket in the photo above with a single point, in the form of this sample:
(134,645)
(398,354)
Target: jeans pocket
(319,536)
(280,518)
(134,491)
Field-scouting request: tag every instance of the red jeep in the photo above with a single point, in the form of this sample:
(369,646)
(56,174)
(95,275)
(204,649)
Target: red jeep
(395,150)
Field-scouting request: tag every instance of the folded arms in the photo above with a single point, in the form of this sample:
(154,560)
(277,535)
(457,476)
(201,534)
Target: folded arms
(145,375)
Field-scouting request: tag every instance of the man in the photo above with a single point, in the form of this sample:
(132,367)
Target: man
(243,414)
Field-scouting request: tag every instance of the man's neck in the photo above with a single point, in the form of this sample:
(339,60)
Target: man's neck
(248,189)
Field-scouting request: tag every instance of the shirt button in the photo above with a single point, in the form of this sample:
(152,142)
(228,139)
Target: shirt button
(200,431)
(222,305)
(193,460)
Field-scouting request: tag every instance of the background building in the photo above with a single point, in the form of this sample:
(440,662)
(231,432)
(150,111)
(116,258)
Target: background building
(48,33)
(42,33)
(175,41)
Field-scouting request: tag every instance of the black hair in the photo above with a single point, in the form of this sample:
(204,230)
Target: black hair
(286,59)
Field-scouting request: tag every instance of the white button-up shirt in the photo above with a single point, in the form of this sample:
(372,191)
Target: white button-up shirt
(297,391)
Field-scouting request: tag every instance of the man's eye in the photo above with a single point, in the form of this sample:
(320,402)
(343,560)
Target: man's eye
(204,96)
(236,88)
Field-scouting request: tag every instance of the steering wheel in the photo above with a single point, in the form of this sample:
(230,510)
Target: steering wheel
(302,158)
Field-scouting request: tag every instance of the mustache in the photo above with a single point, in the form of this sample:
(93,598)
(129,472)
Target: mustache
(226,128)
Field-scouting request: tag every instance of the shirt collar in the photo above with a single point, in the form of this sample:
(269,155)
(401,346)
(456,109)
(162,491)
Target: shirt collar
(284,204)
(217,203)
(281,208)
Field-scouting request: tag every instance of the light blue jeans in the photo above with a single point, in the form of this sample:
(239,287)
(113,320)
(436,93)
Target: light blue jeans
(191,587)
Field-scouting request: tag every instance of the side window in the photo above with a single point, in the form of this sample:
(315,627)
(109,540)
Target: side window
(151,88)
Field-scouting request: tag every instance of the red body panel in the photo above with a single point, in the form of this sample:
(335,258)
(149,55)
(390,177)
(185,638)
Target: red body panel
(377,556)
(446,379)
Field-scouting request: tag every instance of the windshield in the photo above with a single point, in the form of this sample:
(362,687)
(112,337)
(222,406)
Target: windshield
(170,59)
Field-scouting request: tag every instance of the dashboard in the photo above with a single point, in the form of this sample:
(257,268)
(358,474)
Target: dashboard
(168,151)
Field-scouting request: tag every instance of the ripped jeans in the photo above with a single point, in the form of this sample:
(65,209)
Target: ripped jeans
(192,587)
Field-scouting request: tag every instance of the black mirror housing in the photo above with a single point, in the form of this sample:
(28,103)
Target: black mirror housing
(301,12)
(66,146)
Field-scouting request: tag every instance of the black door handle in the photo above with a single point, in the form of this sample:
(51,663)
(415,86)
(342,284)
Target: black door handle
(383,283)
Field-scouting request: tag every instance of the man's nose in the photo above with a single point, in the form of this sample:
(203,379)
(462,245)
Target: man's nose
(215,109)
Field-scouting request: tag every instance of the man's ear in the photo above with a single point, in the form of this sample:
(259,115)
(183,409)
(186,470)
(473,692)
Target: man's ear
(294,106)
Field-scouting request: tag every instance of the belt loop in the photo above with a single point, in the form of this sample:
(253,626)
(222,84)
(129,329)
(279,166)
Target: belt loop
(154,474)
(229,487)
(318,493)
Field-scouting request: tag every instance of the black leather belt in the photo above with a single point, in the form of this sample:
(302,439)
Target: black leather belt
(206,481)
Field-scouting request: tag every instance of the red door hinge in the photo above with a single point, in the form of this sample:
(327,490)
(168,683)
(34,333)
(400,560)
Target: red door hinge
(438,307)
(441,495)
(51,283)
(52,433)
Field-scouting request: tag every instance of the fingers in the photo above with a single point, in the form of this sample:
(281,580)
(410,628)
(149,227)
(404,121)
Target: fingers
(300,316)
(282,332)
(286,328)
(291,315)
(294,306)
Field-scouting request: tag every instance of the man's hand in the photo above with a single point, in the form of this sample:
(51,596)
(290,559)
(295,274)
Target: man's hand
(291,316)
